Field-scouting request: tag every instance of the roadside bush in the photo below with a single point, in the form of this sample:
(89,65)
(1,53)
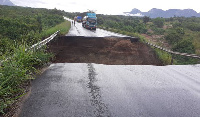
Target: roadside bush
(16,70)
(184,46)
(164,56)
(6,46)
(63,27)
(25,27)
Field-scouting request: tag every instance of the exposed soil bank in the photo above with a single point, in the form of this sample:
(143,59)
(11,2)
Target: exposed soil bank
(102,50)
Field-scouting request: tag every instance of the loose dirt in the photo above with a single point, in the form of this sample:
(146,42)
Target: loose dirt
(102,50)
(158,40)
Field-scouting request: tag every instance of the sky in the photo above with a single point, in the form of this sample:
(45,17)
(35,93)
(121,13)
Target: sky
(113,7)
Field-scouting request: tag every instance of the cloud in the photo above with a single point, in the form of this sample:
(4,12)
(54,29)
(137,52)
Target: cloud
(28,3)
(108,6)
(103,6)
(74,3)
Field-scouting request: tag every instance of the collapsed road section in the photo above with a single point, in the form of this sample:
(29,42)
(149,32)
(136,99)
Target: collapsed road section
(102,50)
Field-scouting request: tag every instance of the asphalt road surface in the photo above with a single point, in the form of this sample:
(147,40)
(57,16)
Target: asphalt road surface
(78,30)
(96,90)
(92,90)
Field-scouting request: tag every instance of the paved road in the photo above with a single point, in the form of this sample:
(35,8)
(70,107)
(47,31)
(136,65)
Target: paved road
(92,90)
(95,90)
(78,30)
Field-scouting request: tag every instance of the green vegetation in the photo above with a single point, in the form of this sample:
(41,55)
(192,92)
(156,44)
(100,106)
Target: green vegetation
(63,27)
(165,57)
(19,25)
(159,22)
(183,36)
(21,28)
(16,71)
(128,24)
(146,19)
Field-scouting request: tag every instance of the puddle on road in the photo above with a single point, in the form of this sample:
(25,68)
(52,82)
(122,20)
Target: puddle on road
(101,110)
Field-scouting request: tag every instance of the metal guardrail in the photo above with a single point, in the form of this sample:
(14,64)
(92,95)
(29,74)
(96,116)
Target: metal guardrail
(172,52)
(38,45)
(43,42)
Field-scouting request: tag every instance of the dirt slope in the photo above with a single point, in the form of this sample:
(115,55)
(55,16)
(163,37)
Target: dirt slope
(107,50)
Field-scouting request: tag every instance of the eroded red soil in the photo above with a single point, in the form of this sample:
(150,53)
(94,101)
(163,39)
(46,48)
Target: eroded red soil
(107,50)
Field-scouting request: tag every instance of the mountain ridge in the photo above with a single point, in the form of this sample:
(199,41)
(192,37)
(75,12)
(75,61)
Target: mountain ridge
(6,2)
(154,12)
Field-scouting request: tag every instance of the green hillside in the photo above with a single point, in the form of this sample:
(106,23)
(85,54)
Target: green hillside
(20,25)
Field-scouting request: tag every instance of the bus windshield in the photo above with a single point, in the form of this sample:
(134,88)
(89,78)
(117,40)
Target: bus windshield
(92,21)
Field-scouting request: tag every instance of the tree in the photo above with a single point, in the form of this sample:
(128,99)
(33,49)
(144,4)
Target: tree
(159,22)
(146,19)
(177,24)
(193,26)
(173,37)
(180,31)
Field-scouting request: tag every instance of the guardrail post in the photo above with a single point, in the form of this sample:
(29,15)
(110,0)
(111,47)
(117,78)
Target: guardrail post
(172,59)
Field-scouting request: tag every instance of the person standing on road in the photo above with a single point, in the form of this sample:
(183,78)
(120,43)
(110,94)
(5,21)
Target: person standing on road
(75,20)
(72,23)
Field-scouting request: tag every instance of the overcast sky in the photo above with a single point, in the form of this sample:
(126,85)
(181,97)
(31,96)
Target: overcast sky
(110,6)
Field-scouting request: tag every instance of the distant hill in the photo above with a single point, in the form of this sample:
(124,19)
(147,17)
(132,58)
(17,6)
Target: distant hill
(6,2)
(153,13)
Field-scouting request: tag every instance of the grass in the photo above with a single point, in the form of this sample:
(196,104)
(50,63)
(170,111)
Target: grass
(16,70)
(21,67)
(63,27)
(164,56)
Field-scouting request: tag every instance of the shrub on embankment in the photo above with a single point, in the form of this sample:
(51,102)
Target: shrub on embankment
(21,67)
(21,25)
(21,28)
(63,27)
(17,70)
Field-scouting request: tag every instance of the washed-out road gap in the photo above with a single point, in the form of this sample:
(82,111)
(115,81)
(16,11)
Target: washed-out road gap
(70,89)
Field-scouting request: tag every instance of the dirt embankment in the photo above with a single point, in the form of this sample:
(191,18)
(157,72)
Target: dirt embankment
(107,50)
